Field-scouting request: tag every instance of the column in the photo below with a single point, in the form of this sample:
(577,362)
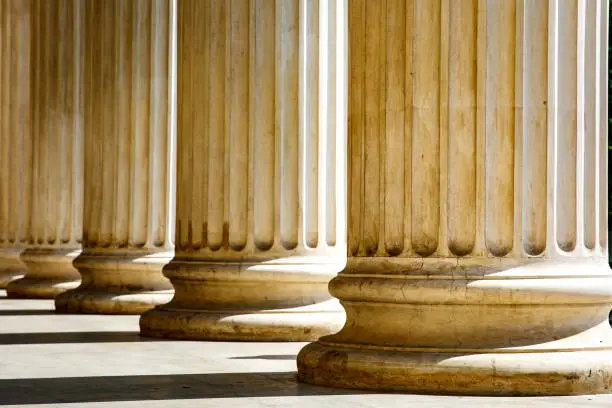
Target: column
(477,201)
(55,212)
(261,171)
(129,159)
(15,137)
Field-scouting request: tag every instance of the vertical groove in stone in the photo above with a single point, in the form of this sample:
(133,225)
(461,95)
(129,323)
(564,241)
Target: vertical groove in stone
(159,187)
(374,124)
(356,118)
(52,124)
(328,203)
(238,123)
(5,55)
(216,124)
(287,111)
(192,137)
(264,123)
(57,168)
(394,176)
(139,132)
(310,126)
(426,126)
(39,47)
(603,34)
(126,124)
(590,126)
(501,27)
(535,126)
(566,123)
(462,127)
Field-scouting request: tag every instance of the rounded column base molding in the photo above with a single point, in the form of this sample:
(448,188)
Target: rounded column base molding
(295,324)
(11,267)
(559,369)
(117,283)
(539,327)
(248,300)
(49,273)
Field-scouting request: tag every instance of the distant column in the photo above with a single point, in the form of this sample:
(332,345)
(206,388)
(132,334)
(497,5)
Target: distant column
(15,136)
(56,209)
(261,171)
(129,159)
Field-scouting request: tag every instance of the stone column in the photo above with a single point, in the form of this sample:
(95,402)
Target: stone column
(129,159)
(261,171)
(56,208)
(15,136)
(477,201)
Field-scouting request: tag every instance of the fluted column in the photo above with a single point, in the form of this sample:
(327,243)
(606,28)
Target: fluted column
(15,136)
(129,159)
(56,208)
(261,171)
(477,201)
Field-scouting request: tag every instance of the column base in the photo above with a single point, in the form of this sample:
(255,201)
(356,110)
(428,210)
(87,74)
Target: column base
(11,267)
(535,328)
(117,284)
(50,272)
(578,365)
(248,299)
(295,324)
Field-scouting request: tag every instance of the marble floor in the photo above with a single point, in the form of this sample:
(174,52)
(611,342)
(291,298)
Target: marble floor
(52,360)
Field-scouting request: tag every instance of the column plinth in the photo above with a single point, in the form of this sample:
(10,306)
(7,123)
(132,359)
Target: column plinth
(477,202)
(261,172)
(49,273)
(129,156)
(118,283)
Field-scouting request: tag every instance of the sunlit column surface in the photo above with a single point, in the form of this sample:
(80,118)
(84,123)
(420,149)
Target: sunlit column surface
(477,201)
(129,158)
(261,171)
(55,210)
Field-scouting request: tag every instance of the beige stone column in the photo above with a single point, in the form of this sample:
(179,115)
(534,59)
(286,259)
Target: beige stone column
(56,207)
(15,136)
(129,163)
(261,171)
(477,201)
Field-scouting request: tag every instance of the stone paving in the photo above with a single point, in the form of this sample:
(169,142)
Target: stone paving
(52,360)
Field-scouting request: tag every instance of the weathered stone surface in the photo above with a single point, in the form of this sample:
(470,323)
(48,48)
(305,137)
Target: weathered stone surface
(477,202)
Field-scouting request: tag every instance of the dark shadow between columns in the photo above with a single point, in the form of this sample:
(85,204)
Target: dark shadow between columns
(268,357)
(72,337)
(157,387)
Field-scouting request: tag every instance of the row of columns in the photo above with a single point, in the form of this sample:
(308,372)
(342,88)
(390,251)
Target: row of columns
(191,160)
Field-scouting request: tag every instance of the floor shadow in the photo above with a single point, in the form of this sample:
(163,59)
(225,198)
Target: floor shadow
(72,337)
(267,357)
(157,387)
(26,312)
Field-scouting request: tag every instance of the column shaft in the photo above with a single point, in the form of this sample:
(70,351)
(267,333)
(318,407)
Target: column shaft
(261,171)
(15,136)
(129,159)
(477,201)
(56,209)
